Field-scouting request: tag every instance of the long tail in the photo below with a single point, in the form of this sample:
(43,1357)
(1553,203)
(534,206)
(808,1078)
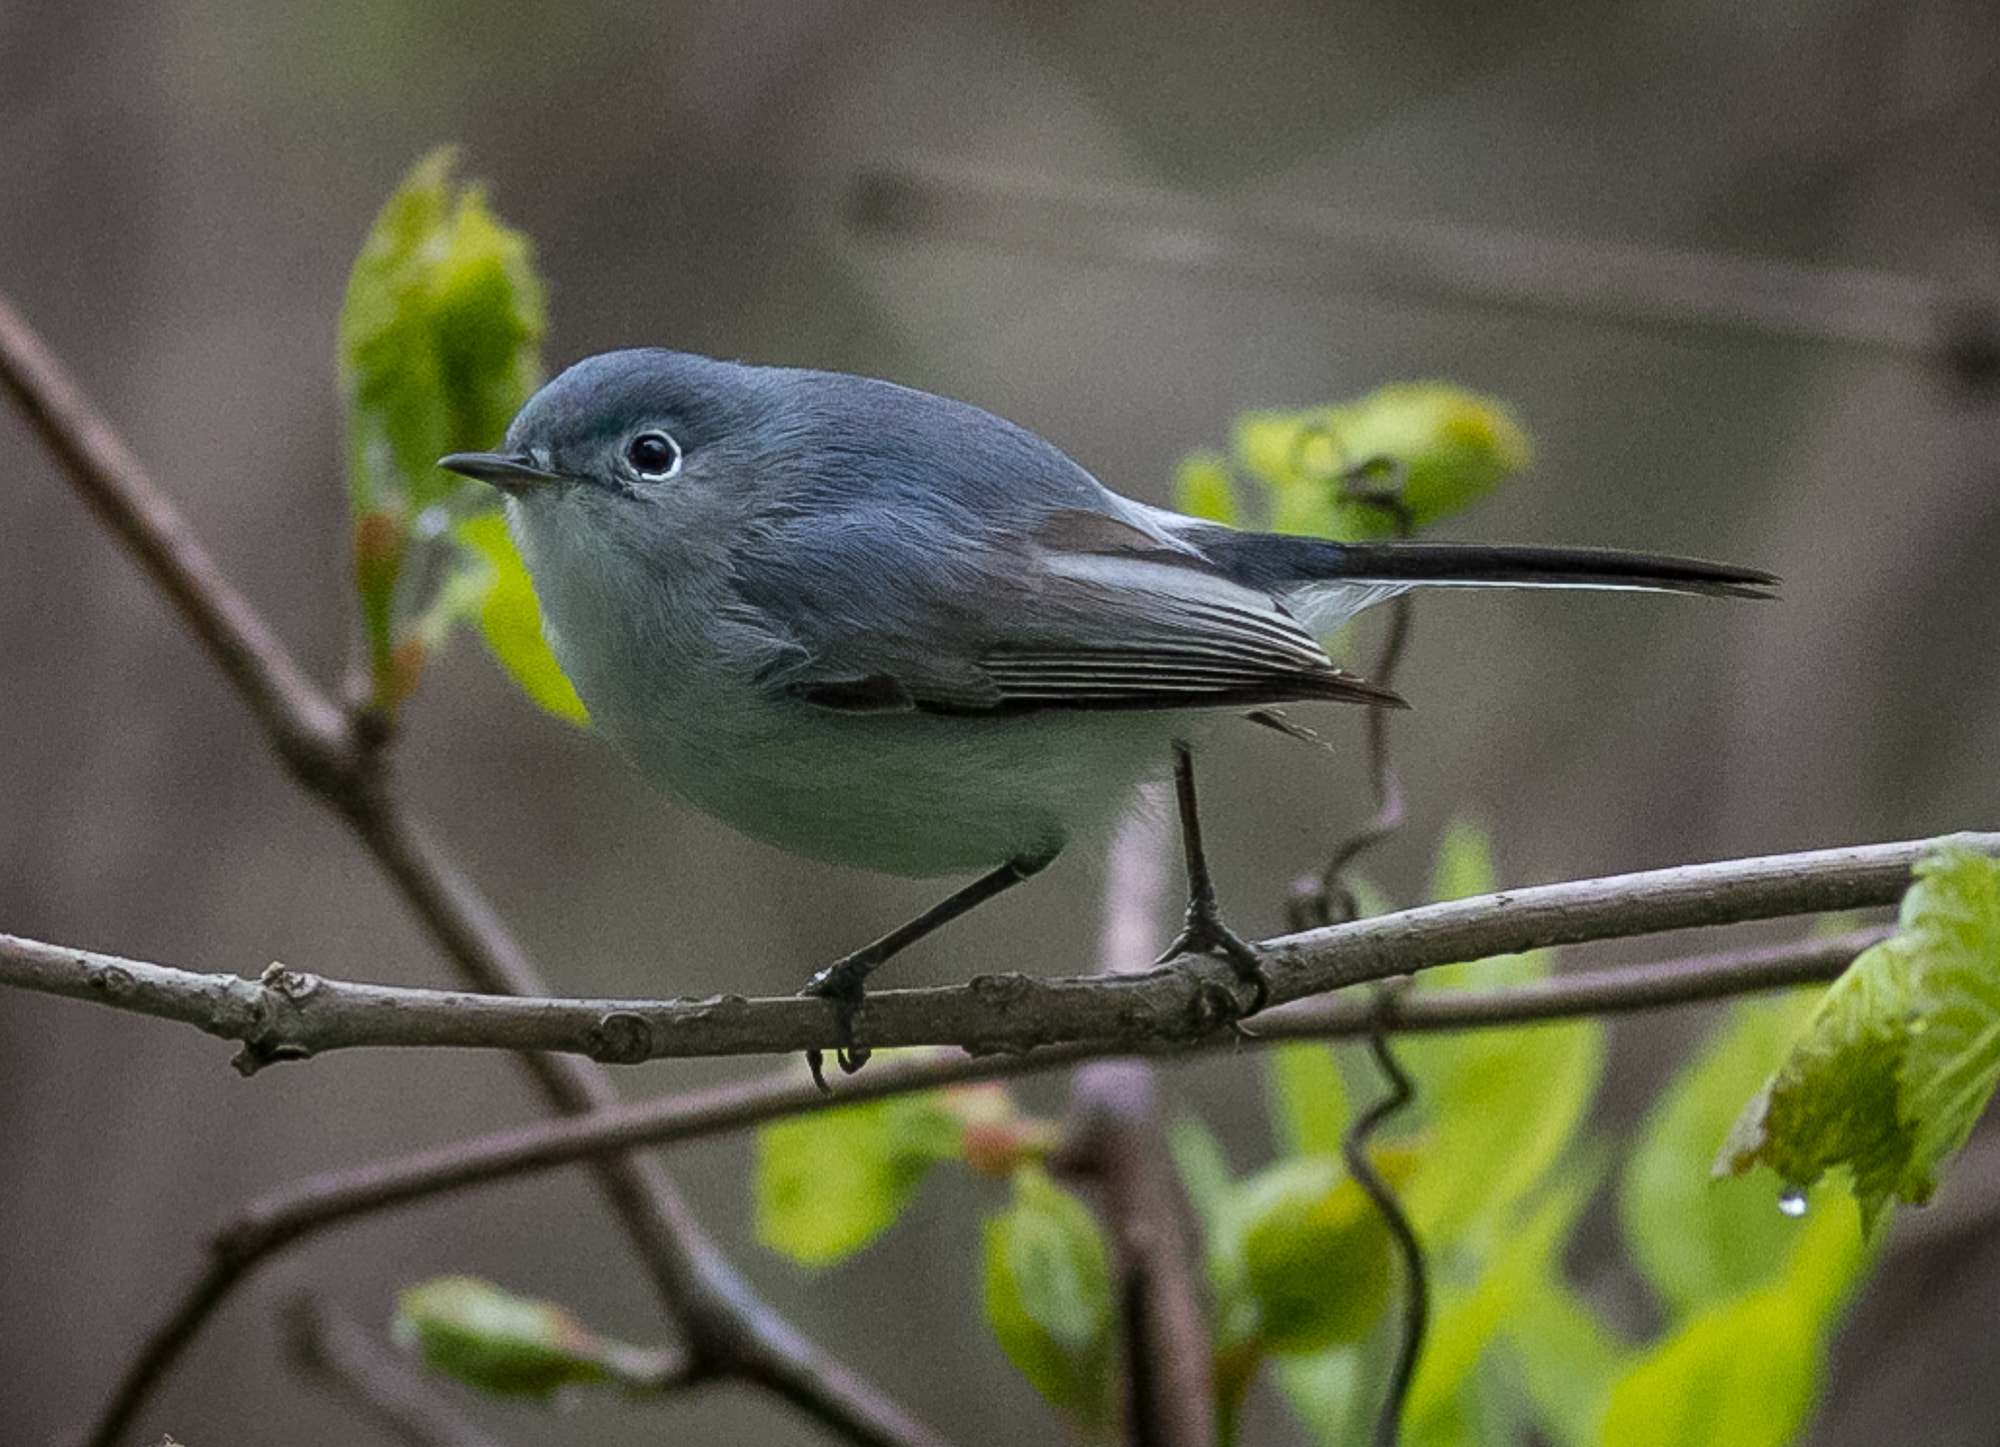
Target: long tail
(1286,564)
(1483,565)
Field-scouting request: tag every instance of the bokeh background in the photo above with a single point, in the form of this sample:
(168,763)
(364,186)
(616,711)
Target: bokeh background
(183,186)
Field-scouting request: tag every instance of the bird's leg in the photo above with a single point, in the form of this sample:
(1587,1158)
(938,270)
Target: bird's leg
(1204,932)
(842,981)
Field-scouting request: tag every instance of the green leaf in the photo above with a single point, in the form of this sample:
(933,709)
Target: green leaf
(1047,1290)
(1307,1099)
(1744,1373)
(1500,1105)
(492,584)
(437,347)
(1697,1239)
(1202,488)
(1439,449)
(1203,1169)
(1454,446)
(438,337)
(1445,1403)
(1566,1356)
(507,1345)
(1901,1056)
(1326,1390)
(1457,1396)
(1219,1201)
(1315,1255)
(828,1184)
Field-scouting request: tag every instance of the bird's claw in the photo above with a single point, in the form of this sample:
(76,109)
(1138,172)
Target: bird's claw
(840,984)
(1205,934)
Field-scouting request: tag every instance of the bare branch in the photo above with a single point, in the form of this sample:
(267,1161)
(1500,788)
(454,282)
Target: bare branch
(333,1349)
(304,726)
(290,1016)
(1321,249)
(317,1203)
(305,1208)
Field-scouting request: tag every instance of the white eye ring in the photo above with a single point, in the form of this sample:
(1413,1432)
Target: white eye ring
(653,456)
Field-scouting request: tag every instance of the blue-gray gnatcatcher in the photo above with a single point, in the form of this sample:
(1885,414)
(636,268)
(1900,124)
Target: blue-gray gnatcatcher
(872,625)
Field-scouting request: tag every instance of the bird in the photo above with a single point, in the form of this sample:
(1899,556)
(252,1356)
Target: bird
(872,625)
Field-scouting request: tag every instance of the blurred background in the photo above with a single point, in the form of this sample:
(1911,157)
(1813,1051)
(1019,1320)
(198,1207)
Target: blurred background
(1733,265)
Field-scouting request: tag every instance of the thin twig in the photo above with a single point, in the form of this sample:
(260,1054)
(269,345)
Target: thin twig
(1325,899)
(1322,249)
(333,1349)
(1416,1279)
(302,723)
(339,760)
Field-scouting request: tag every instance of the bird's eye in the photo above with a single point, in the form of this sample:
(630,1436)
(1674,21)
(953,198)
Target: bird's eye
(654,456)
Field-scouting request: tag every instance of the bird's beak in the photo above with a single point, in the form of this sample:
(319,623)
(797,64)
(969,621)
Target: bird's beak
(513,472)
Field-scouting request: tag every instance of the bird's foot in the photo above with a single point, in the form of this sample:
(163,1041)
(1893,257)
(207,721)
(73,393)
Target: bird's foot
(843,984)
(1204,933)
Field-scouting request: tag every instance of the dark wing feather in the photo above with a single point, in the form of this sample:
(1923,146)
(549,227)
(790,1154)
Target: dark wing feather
(1086,612)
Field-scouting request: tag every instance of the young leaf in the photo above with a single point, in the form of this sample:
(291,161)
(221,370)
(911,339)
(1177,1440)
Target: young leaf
(1306,1098)
(828,1184)
(1204,1170)
(1219,1200)
(438,337)
(1501,1105)
(1202,488)
(1567,1358)
(1744,1373)
(1443,449)
(1453,446)
(437,348)
(1457,1395)
(496,584)
(1326,1391)
(1048,1297)
(510,1346)
(1902,1054)
(1700,1240)
(1315,1255)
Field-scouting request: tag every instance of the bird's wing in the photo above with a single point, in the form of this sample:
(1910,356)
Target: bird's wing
(1082,611)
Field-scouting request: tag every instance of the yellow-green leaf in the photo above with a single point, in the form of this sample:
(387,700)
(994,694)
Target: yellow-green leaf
(1452,446)
(1500,1106)
(1316,1255)
(1307,1099)
(1744,1373)
(828,1184)
(1901,1056)
(1047,1288)
(503,1344)
(499,592)
(1700,1240)
(1202,488)
(438,337)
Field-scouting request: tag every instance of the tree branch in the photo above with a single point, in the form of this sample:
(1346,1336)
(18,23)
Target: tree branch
(302,1209)
(301,722)
(289,1016)
(317,1203)
(385,1387)
(1321,249)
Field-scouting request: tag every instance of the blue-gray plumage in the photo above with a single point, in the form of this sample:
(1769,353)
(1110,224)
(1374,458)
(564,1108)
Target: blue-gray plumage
(873,625)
